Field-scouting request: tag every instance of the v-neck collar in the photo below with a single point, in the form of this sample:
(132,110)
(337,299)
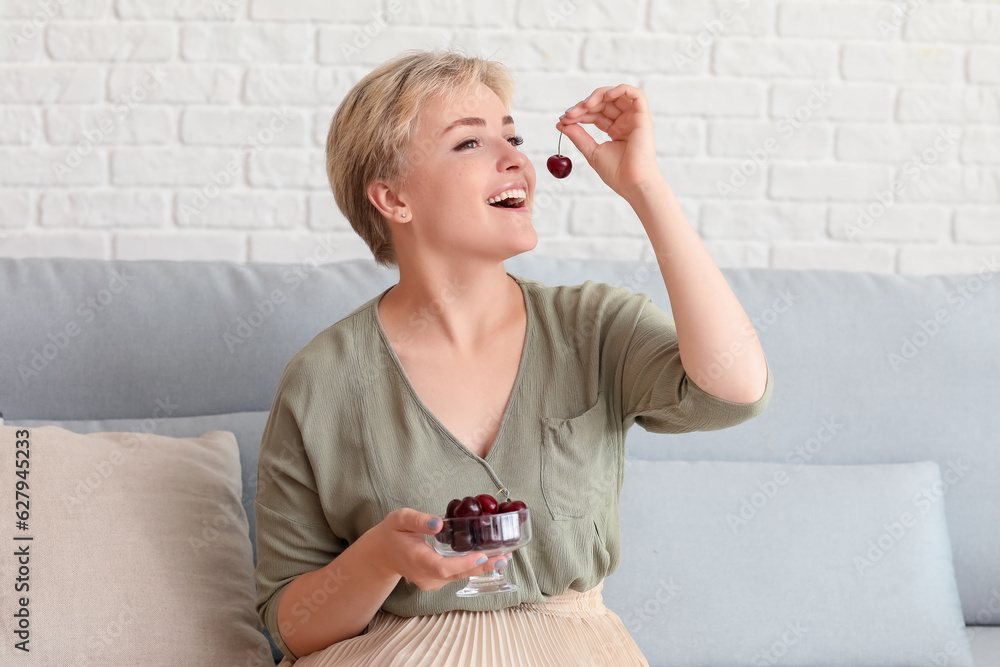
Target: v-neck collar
(515,389)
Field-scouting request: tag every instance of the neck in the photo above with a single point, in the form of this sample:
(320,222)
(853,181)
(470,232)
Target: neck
(459,303)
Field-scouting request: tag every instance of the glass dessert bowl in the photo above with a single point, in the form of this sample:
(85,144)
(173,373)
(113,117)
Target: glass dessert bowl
(490,534)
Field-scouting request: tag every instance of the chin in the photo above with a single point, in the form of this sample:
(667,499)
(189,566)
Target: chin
(525,241)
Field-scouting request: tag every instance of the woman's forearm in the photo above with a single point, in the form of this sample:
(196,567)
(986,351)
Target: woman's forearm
(718,345)
(337,601)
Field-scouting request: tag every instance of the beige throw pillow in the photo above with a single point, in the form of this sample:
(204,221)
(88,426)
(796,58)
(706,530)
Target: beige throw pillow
(125,549)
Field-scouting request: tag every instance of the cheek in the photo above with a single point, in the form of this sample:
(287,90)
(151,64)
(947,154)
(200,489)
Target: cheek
(529,171)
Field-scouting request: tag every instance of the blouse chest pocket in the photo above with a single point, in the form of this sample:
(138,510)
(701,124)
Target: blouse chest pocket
(579,462)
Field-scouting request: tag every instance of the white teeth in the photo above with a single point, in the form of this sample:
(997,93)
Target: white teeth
(508,194)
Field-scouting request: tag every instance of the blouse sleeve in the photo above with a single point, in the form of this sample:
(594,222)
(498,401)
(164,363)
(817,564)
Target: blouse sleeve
(659,395)
(293,536)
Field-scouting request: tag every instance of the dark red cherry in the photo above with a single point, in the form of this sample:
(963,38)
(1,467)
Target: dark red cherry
(487,503)
(469,507)
(488,532)
(461,540)
(452,506)
(511,506)
(516,505)
(559,165)
(444,535)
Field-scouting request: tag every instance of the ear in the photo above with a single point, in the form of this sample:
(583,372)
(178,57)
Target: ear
(383,197)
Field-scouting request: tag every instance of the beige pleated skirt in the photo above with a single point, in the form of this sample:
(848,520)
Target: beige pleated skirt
(570,630)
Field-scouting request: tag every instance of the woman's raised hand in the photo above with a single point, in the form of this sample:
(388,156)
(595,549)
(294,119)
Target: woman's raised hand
(406,553)
(628,161)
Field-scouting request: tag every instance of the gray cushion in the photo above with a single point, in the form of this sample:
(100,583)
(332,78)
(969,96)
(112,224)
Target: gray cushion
(748,563)
(107,340)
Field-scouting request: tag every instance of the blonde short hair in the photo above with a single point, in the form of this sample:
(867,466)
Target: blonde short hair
(371,132)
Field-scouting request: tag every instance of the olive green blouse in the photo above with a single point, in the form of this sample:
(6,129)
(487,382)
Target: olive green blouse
(348,440)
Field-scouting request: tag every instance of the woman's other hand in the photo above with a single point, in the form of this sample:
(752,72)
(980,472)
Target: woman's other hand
(627,163)
(405,552)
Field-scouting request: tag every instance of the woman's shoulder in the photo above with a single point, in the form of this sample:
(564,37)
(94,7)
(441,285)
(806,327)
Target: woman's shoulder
(589,299)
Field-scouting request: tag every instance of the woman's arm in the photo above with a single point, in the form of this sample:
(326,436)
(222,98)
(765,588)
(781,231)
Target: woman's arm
(718,345)
(337,601)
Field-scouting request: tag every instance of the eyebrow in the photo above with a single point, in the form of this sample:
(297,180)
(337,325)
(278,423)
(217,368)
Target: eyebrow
(471,121)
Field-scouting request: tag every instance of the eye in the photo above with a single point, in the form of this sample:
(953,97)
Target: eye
(516,140)
(469,143)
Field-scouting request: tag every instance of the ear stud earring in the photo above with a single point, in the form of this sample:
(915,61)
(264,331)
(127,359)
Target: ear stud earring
(404,215)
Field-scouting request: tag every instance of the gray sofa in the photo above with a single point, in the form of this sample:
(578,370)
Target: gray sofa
(881,381)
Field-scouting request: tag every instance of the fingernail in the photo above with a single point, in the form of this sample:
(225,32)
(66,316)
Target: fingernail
(571,108)
(562,116)
(433,523)
(482,559)
(500,563)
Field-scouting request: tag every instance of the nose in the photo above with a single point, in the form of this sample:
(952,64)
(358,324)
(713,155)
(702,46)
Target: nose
(512,158)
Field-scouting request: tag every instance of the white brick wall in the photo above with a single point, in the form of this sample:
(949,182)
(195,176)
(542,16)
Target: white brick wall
(860,136)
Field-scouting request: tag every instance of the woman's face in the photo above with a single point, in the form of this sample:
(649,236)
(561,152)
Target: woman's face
(463,155)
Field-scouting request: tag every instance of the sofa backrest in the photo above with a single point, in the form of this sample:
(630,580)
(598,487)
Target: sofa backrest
(868,368)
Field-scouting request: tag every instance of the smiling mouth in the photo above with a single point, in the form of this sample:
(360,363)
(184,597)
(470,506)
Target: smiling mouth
(515,198)
(510,203)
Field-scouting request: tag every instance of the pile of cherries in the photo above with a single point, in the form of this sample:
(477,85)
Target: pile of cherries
(467,529)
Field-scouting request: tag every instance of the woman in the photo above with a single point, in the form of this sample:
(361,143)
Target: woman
(462,379)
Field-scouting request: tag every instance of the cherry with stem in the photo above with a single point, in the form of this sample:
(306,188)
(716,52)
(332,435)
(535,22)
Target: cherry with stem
(559,165)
